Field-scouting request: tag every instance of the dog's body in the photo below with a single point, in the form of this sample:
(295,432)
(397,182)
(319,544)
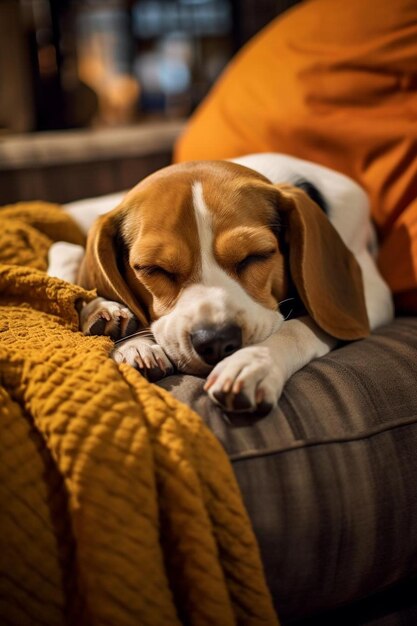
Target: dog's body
(204,253)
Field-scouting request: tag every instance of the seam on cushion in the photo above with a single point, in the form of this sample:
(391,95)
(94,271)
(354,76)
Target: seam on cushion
(249,454)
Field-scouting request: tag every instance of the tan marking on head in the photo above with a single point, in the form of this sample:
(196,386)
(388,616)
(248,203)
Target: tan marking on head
(159,229)
(251,256)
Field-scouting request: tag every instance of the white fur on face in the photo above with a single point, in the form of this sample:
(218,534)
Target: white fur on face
(216,300)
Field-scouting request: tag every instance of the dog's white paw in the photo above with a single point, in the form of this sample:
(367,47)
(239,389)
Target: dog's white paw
(145,355)
(249,380)
(104,317)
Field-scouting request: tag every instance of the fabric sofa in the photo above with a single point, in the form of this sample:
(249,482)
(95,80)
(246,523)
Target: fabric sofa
(328,479)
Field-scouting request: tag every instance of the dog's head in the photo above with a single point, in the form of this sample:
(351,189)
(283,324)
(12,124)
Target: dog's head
(205,252)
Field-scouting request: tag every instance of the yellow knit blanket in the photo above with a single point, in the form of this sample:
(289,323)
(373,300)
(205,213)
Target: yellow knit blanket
(117,505)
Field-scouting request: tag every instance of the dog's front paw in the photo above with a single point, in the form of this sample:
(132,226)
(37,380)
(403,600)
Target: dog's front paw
(104,317)
(145,355)
(249,380)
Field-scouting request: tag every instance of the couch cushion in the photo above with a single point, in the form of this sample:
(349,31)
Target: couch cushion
(329,477)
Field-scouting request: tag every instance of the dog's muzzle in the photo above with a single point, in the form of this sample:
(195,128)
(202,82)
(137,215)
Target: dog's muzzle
(214,343)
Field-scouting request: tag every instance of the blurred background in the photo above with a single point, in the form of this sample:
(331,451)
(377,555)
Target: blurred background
(108,64)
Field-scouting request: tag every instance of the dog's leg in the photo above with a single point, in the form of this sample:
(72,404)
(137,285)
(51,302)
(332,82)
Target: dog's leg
(253,378)
(104,317)
(143,353)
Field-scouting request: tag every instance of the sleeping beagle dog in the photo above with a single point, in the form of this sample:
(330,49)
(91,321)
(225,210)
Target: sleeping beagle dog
(241,271)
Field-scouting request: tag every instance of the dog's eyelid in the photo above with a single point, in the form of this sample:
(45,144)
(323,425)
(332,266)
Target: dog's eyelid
(150,270)
(255,257)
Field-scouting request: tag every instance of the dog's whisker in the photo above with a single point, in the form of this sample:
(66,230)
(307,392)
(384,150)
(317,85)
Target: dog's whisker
(140,333)
(288,315)
(286,300)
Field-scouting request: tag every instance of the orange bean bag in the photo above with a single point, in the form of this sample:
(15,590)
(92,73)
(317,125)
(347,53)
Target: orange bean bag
(334,82)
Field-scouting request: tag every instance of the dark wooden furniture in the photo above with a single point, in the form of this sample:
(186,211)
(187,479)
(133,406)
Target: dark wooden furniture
(69,165)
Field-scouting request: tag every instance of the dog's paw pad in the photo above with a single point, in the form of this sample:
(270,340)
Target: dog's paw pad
(132,326)
(221,397)
(153,374)
(98,327)
(263,408)
(231,401)
(104,317)
(241,402)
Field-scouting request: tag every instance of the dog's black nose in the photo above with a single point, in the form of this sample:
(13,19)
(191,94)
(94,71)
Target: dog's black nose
(214,343)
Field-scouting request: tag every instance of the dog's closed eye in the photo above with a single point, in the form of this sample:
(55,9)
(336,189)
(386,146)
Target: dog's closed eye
(156,270)
(252,259)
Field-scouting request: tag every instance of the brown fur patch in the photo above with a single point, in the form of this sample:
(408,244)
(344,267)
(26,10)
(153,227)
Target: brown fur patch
(160,229)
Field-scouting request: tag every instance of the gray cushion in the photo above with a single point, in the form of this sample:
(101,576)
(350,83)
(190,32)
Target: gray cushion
(329,478)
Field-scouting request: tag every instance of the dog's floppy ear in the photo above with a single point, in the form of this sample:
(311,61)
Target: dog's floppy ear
(102,266)
(324,271)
